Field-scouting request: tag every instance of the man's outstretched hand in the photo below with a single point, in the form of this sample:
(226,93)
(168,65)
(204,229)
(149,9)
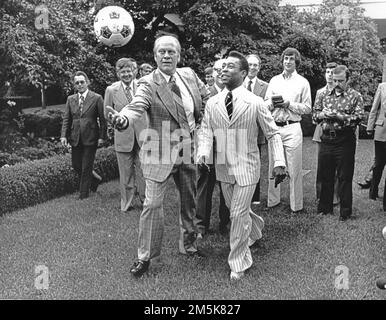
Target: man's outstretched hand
(279,174)
(119,122)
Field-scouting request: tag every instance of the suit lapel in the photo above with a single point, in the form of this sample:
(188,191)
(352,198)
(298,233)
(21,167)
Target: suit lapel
(165,94)
(257,88)
(190,85)
(87,101)
(220,107)
(239,107)
(120,95)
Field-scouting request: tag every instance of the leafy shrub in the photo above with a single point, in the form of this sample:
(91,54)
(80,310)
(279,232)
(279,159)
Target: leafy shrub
(33,182)
(10,159)
(43,123)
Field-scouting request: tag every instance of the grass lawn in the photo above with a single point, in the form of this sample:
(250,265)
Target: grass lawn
(88,247)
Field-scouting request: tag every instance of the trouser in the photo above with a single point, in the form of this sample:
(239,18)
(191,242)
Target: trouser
(337,158)
(380,162)
(205,186)
(292,138)
(82,161)
(319,184)
(129,170)
(151,222)
(245,224)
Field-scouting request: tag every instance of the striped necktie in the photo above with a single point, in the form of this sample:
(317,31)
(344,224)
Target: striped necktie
(128,93)
(81,103)
(229,104)
(250,85)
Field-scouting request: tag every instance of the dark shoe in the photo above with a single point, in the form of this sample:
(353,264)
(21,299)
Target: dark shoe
(344,218)
(365,184)
(95,183)
(139,268)
(373,196)
(83,196)
(201,252)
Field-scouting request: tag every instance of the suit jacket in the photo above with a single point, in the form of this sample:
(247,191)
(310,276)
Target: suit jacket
(237,157)
(377,116)
(160,147)
(84,128)
(115,97)
(259,89)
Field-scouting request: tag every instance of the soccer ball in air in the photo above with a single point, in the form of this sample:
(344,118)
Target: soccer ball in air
(113,26)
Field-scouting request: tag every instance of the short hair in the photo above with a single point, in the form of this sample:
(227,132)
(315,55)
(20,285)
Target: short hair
(243,61)
(145,65)
(340,69)
(331,65)
(289,52)
(253,55)
(208,71)
(80,73)
(124,63)
(170,37)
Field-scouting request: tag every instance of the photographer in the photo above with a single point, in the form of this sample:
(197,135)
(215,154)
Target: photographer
(338,112)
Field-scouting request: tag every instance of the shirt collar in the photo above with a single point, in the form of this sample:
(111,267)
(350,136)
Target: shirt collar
(166,76)
(294,74)
(84,94)
(131,85)
(237,92)
(247,80)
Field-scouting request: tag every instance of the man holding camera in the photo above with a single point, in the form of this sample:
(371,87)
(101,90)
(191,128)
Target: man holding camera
(338,111)
(288,97)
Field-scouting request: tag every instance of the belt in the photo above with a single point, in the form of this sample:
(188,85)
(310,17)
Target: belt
(285,123)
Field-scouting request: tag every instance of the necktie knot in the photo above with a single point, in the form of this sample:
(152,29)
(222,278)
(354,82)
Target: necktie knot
(249,85)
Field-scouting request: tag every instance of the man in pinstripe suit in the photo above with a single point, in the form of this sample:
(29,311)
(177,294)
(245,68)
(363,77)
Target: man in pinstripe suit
(173,99)
(233,118)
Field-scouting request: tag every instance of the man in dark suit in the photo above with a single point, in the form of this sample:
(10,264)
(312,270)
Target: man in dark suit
(82,131)
(173,99)
(207,176)
(259,88)
(126,143)
(377,125)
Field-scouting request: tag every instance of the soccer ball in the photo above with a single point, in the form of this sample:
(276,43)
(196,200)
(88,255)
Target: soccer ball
(113,26)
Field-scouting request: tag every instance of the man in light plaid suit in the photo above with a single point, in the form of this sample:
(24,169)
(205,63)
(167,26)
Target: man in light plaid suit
(233,117)
(173,99)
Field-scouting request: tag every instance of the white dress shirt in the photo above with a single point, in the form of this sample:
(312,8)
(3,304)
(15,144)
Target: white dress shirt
(187,99)
(296,89)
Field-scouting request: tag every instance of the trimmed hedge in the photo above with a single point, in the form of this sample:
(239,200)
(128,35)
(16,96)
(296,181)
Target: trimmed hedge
(43,123)
(33,182)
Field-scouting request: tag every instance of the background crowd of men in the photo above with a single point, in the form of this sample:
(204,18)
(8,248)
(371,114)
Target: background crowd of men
(221,127)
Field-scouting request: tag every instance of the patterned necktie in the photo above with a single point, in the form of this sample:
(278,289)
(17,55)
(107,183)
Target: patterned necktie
(174,87)
(128,93)
(250,85)
(81,102)
(229,104)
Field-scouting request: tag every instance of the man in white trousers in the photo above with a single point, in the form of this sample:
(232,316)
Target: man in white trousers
(288,97)
(233,118)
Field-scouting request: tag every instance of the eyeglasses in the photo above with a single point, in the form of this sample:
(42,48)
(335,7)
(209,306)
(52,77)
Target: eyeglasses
(80,82)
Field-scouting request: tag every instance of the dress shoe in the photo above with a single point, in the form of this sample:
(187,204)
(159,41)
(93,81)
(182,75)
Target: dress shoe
(202,253)
(236,276)
(344,218)
(139,268)
(365,184)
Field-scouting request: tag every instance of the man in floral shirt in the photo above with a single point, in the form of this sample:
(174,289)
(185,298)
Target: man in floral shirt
(338,111)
